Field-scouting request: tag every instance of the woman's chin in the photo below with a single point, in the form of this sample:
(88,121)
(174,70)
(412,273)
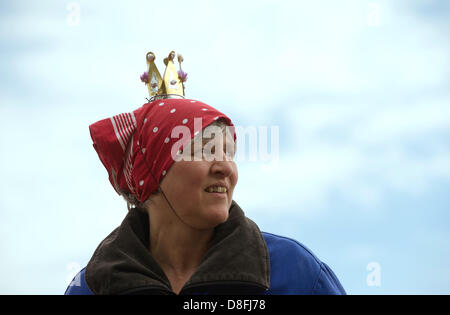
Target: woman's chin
(215,216)
(221,216)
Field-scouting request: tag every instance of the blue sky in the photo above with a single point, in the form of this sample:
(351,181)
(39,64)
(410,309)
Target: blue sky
(359,90)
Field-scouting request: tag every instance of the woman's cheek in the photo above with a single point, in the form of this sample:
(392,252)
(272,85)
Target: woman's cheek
(236,174)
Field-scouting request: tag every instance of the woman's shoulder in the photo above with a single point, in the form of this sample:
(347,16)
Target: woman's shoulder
(295,269)
(289,245)
(290,252)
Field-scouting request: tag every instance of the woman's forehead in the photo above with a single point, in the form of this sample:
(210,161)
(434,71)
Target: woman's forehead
(225,138)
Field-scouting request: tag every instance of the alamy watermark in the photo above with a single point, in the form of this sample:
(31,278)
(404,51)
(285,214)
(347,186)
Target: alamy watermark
(214,144)
(73,18)
(73,274)
(373,17)
(374,277)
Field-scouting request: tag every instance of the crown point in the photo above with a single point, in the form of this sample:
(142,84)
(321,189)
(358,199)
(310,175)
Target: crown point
(169,58)
(150,56)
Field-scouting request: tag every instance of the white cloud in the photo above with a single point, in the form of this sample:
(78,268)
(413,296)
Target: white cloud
(362,153)
(399,122)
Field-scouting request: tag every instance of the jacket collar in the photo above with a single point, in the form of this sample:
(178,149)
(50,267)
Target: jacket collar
(122,261)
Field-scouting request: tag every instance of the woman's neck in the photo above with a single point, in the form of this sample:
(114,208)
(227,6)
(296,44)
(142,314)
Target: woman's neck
(177,247)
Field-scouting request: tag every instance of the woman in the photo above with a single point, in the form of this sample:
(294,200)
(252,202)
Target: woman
(184,233)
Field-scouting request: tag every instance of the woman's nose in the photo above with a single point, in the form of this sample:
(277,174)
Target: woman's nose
(222,166)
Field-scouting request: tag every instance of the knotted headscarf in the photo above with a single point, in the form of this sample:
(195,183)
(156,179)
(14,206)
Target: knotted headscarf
(136,147)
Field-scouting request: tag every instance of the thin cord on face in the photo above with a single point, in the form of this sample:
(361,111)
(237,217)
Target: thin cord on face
(160,189)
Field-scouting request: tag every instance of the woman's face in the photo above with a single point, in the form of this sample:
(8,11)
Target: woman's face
(185,186)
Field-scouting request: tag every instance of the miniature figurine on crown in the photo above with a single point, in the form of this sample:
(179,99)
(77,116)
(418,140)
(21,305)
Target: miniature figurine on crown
(169,86)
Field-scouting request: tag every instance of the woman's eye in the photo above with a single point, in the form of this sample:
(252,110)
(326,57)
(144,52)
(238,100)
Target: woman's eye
(210,152)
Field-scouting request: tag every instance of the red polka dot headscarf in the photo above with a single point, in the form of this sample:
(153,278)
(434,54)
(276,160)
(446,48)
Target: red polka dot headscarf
(136,147)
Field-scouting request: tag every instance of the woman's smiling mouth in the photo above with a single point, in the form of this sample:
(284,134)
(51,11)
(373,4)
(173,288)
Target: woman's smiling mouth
(219,192)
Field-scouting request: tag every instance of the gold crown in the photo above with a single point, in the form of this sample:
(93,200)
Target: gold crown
(169,86)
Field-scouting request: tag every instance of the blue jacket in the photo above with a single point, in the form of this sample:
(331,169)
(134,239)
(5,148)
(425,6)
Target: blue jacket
(241,260)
